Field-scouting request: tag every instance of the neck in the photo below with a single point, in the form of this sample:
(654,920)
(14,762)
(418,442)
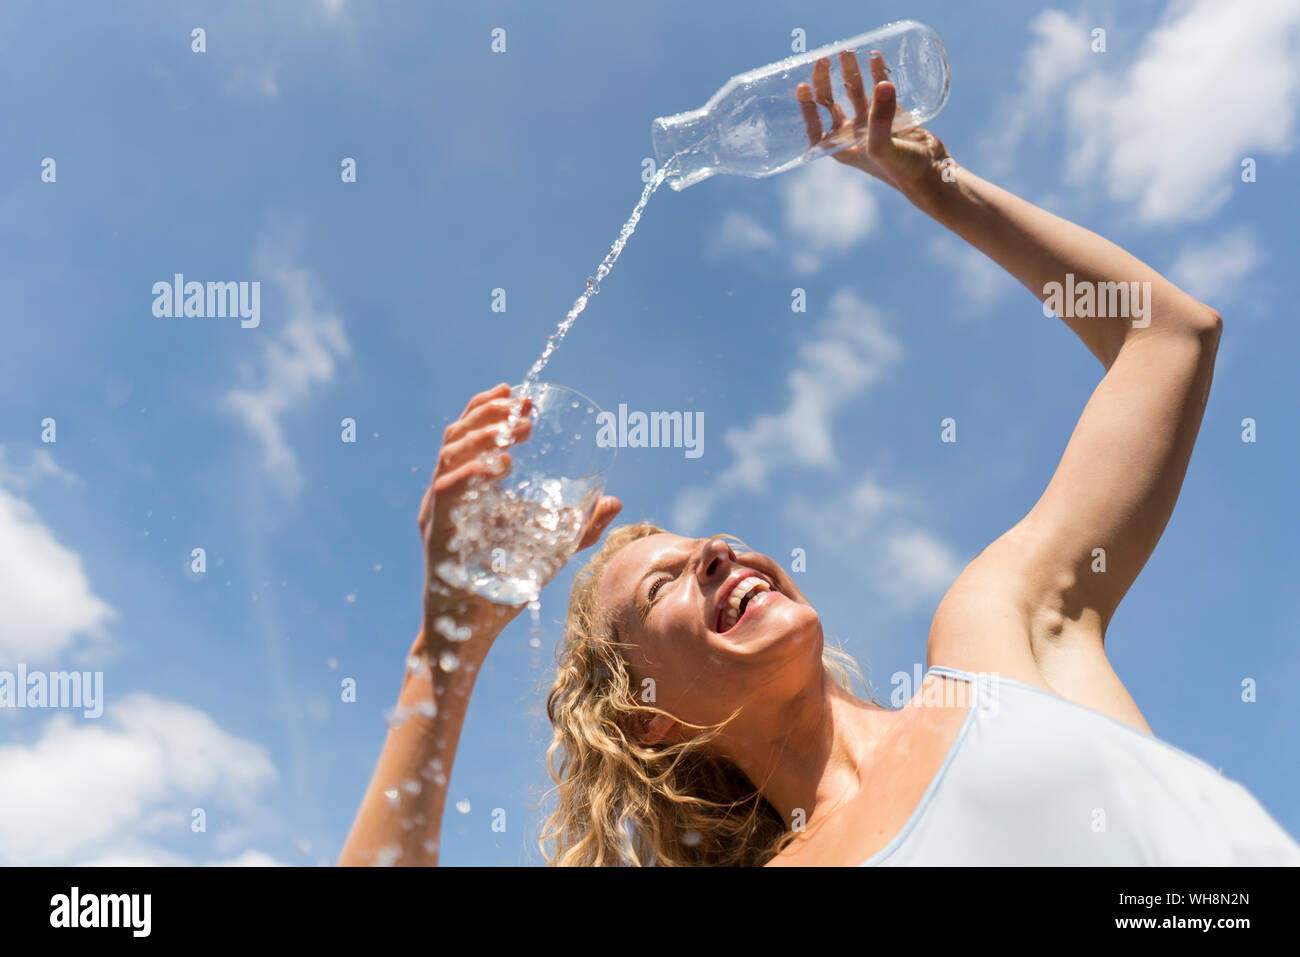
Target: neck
(812,753)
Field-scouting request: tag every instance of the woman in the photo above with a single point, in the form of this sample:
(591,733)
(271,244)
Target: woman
(700,720)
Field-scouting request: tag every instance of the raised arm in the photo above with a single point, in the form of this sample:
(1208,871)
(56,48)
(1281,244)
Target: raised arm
(1067,564)
(400,819)
(1036,603)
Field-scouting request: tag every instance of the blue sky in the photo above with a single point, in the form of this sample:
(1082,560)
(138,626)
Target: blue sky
(479,171)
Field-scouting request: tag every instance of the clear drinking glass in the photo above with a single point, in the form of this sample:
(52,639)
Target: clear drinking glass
(513,535)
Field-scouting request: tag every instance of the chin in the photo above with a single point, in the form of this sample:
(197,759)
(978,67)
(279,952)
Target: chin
(786,631)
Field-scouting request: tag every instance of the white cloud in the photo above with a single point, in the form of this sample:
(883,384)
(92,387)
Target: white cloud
(156,857)
(40,466)
(1210,270)
(868,497)
(829,209)
(47,606)
(250,858)
(918,566)
(1057,54)
(838,360)
(93,791)
(979,279)
(300,358)
(741,233)
(852,517)
(1166,132)
(901,562)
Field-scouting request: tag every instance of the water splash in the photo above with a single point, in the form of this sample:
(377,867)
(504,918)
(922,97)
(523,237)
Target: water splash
(593,283)
(535,631)
(388,854)
(509,543)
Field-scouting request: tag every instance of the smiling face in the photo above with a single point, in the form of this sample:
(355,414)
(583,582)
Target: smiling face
(716,630)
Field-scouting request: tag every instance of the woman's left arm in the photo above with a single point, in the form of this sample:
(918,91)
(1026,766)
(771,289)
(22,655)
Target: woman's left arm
(1075,554)
(1035,604)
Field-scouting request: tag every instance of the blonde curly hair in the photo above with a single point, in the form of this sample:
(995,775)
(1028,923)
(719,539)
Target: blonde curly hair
(624,803)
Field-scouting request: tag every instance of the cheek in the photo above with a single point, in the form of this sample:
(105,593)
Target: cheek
(668,650)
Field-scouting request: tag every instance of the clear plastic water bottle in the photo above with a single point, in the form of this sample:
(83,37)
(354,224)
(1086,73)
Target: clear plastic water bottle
(754,125)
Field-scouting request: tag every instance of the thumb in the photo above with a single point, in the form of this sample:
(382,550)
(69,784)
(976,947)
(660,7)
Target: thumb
(606,510)
(880,122)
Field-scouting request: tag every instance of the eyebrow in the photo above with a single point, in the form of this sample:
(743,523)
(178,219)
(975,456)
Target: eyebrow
(642,602)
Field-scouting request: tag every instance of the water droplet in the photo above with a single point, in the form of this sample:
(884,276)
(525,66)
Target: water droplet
(431,847)
(593,286)
(448,661)
(377,567)
(302,846)
(332,664)
(411,786)
(349,598)
(427,707)
(691,838)
(462,806)
(590,410)
(395,717)
(394,799)
(573,404)
(534,642)
(386,855)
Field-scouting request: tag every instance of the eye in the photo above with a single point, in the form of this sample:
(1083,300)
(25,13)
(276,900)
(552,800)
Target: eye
(654,589)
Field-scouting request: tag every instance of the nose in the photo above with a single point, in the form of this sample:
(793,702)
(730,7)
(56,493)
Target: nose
(715,558)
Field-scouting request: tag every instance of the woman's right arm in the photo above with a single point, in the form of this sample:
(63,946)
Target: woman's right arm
(400,818)
(400,826)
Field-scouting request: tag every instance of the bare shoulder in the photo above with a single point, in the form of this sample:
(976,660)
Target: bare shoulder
(1005,615)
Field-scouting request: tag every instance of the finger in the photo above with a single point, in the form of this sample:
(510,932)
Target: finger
(476,443)
(821,78)
(426,508)
(606,510)
(822,88)
(812,120)
(879,72)
(881,123)
(492,393)
(489,468)
(493,410)
(853,86)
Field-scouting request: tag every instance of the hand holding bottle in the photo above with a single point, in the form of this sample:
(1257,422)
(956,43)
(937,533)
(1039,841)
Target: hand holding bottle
(906,159)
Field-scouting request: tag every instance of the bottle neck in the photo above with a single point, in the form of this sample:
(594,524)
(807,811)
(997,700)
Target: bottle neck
(686,140)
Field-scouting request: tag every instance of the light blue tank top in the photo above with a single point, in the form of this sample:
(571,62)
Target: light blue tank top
(1035,779)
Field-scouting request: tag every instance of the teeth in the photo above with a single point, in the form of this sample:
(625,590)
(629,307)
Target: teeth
(752,584)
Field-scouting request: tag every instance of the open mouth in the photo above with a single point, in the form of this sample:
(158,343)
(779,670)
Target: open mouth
(736,597)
